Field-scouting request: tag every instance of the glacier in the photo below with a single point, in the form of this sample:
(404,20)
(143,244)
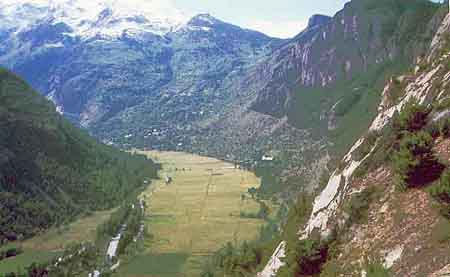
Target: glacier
(88,19)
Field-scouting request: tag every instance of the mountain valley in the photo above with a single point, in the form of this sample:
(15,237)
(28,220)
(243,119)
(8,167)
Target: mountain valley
(330,149)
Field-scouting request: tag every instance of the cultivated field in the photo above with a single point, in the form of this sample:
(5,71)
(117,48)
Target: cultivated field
(194,215)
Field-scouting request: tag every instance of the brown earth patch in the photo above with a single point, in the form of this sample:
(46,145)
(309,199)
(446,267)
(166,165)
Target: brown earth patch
(396,219)
(442,150)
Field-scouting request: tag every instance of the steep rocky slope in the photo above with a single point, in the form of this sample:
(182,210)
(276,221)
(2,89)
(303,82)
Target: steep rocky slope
(368,214)
(313,96)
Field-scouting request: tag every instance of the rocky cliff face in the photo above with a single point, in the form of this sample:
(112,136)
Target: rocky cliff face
(427,86)
(357,39)
(402,229)
(317,93)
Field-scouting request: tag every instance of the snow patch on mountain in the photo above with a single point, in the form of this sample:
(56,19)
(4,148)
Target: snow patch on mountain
(52,97)
(90,18)
(53,45)
(206,18)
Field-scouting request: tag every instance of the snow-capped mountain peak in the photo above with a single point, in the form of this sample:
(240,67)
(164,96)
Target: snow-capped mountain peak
(89,18)
(204,19)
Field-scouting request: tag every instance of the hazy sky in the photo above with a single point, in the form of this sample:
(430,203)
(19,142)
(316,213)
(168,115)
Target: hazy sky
(279,18)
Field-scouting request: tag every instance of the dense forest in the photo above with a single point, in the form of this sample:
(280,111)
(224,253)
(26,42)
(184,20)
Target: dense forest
(50,171)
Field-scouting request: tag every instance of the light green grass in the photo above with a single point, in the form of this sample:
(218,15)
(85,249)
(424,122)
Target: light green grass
(57,239)
(43,248)
(200,211)
(19,263)
(153,265)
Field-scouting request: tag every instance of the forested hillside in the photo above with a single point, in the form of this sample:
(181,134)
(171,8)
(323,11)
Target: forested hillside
(49,170)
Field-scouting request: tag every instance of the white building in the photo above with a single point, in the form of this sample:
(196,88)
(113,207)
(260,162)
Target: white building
(267,158)
(113,245)
(95,274)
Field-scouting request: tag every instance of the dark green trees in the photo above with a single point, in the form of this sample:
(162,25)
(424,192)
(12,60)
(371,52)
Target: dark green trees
(50,171)
(413,161)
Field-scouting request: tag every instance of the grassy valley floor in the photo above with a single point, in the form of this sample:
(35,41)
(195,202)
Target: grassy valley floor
(51,244)
(193,216)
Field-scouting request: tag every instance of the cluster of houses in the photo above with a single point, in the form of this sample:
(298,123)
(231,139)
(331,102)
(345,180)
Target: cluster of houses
(154,132)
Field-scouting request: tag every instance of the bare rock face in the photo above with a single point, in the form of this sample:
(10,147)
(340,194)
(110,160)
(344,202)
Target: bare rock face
(442,273)
(329,50)
(275,262)
(439,38)
(401,226)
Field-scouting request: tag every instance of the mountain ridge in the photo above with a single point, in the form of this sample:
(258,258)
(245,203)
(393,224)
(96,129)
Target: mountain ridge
(88,19)
(110,19)
(316,92)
